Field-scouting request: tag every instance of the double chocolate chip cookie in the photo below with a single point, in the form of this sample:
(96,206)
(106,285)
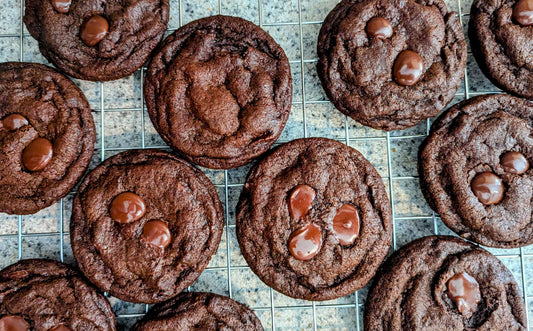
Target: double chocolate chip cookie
(444,283)
(97,40)
(475,170)
(219,91)
(145,225)
(389,64)
(199,311)
(501,34)
(48,295)
(47,137)
(314,221)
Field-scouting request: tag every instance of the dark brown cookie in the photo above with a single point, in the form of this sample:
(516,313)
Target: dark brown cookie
(389,64)
(444,283)
(46,137)
(219,91)
(97,40)
(501,36)
(145,225)
(48,295)
(199,311)
(474,170)
(314,221)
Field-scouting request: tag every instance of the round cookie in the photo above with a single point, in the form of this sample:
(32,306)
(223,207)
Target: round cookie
(444,283)
(97,40)
(501,36)
(219,91)
(474,170)
(199,311)
(314,221)
(145,225)
(47,137)
(47,295)
(390,64)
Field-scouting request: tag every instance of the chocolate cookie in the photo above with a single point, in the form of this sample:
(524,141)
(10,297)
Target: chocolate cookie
(48,295)
(501,36)
(199,311)
(97,40)
(46,137)
(314,221)
(219,91)
(474,170)
(444,283)
(145,225)
(389,64)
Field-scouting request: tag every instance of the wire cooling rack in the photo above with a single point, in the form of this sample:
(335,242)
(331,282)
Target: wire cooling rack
(122,123)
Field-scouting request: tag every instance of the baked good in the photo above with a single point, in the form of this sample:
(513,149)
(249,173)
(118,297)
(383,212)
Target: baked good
(390,64)
(199,311)
(47,295)
(145,225)
(444,283)
(314,221)
(501,36)
(219,91)
(474,170)
(98,41)
(47,137)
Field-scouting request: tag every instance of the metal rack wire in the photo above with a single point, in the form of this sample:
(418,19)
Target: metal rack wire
(276,311)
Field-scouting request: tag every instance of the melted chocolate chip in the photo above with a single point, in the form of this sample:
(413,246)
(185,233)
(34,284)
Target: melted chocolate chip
(14,122)
(37,154)
(300,201)
(127,207)
(61,6)
(515,163)
(488,188)
(408,68)
(346,224)
(379,28)
(94,30)
(305,242)
(157,233)
(60,327)
(463,290)
(13,323)
(523,12)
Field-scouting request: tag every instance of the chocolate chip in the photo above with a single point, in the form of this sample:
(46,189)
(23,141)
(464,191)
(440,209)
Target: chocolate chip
(13,323)
(127,207)
(305,242)
(14,122)
(61,6)
(346,224)
(515,163)
(157,233)
(37,154)
(60,327)
(488,188)
(408,68)
(463,290)
(379,28)
(300,201)
(94,30)
(523,12)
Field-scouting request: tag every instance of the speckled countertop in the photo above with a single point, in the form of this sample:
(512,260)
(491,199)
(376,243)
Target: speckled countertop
(122,123)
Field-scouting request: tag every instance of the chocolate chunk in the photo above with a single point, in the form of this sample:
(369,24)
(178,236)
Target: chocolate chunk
(61,6)
(463,290)
(37,154)
(346,224)
(300,201)
(408,68)
(157,233)
(523,12)
(305,242)
(13,122)
(127,207)
(94,30)
(13,323)
(379,28)
(515,163)
(488,188)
